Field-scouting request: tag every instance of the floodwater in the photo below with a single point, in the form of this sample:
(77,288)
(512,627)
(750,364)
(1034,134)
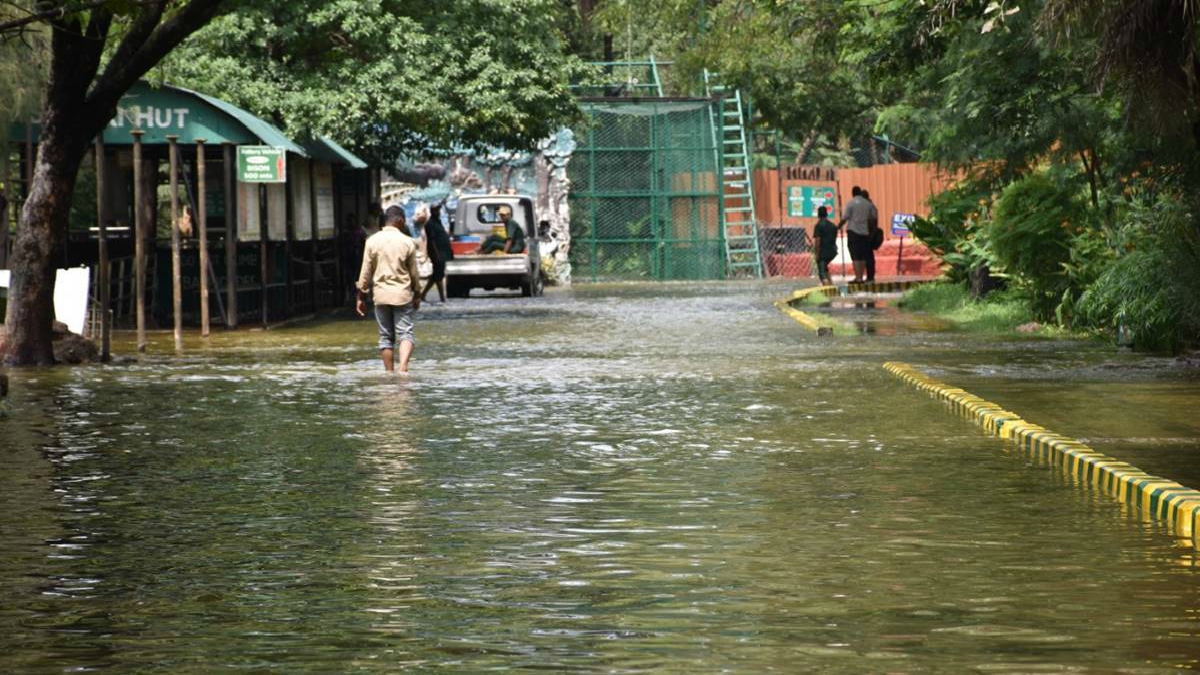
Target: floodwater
(656,478)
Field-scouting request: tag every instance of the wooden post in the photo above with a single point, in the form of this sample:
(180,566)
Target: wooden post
(139,241)
(176,278)
(202,227)
(262,247)
(231,199)
(289,234)
(312,207)
(102,241)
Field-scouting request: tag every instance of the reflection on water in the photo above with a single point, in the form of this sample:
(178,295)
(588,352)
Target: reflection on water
(622,479)
(877,314)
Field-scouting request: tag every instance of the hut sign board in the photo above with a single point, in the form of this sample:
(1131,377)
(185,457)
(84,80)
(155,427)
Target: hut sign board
(151,117)
(261,164)
(804,200)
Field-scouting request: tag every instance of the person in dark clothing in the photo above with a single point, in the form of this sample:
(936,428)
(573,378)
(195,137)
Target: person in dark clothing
(439,250)
(875,237)
(513,240)
(825,235)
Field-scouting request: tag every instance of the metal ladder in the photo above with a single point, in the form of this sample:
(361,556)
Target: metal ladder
(743,257)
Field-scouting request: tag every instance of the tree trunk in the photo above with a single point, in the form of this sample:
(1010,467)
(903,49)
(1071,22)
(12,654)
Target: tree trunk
(805,147)
(79,101)
(4,229)
(42,231)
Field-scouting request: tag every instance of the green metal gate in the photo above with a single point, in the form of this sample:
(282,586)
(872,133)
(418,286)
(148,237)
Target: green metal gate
(645,192)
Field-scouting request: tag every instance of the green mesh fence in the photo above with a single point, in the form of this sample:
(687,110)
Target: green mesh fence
(645,193)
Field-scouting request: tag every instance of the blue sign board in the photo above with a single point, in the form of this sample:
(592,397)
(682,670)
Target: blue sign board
(900,223)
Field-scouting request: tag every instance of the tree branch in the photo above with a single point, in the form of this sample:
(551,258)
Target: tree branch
(57,13)
(147,43)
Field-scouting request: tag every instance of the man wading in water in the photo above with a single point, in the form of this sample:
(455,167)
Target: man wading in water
(389,269)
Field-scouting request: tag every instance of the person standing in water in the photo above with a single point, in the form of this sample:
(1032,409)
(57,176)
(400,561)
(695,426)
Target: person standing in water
(440,251)
(389,272)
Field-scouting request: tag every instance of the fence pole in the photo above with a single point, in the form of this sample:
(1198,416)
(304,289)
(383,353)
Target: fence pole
(656,264)
(592,188)
(202,226)
(102,242)
(262,247)
(231,233)
(313,208)
(176,264)
(139,241)
(289,236)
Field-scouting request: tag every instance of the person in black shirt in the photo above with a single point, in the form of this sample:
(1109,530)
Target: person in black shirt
(439,250)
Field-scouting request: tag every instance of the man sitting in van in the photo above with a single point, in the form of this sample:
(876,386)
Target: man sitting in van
(513,240)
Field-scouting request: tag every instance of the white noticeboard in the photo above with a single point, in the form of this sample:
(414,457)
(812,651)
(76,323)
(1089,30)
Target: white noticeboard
(277,211)
(301,201)
(325,225)
(249,212)
(70,296)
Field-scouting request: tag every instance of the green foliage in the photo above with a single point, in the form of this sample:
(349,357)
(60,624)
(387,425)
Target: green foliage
(23,61)
(1031,233)
(1000,313)
(385,76)
(787,58)
(1151,289)
(816,298)
(936,297)
(951,230)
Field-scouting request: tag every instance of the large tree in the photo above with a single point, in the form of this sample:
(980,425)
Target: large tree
(790,58)
(388,76)
(83,87)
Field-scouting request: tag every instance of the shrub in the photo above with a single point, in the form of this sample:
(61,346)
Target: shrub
(1034,224)
(951,228)
(1153,289)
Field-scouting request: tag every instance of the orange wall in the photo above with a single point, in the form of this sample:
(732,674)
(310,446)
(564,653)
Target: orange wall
(895,188)
(766,196)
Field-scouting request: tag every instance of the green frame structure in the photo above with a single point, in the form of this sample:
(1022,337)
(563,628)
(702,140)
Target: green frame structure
(646,191)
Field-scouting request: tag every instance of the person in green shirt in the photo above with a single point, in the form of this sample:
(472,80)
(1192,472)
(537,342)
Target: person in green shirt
(825,248)
(513,240)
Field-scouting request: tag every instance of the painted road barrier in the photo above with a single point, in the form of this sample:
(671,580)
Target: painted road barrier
(884,286)
(1156,498)
(802,318)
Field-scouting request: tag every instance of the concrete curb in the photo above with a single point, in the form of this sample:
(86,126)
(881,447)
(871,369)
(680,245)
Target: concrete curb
(786,305)
(1157,498)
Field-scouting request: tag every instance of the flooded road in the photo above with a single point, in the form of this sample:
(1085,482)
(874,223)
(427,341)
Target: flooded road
(657,478)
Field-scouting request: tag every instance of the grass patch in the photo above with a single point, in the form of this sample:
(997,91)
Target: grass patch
(826,321)
(999,312)
(816,298)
